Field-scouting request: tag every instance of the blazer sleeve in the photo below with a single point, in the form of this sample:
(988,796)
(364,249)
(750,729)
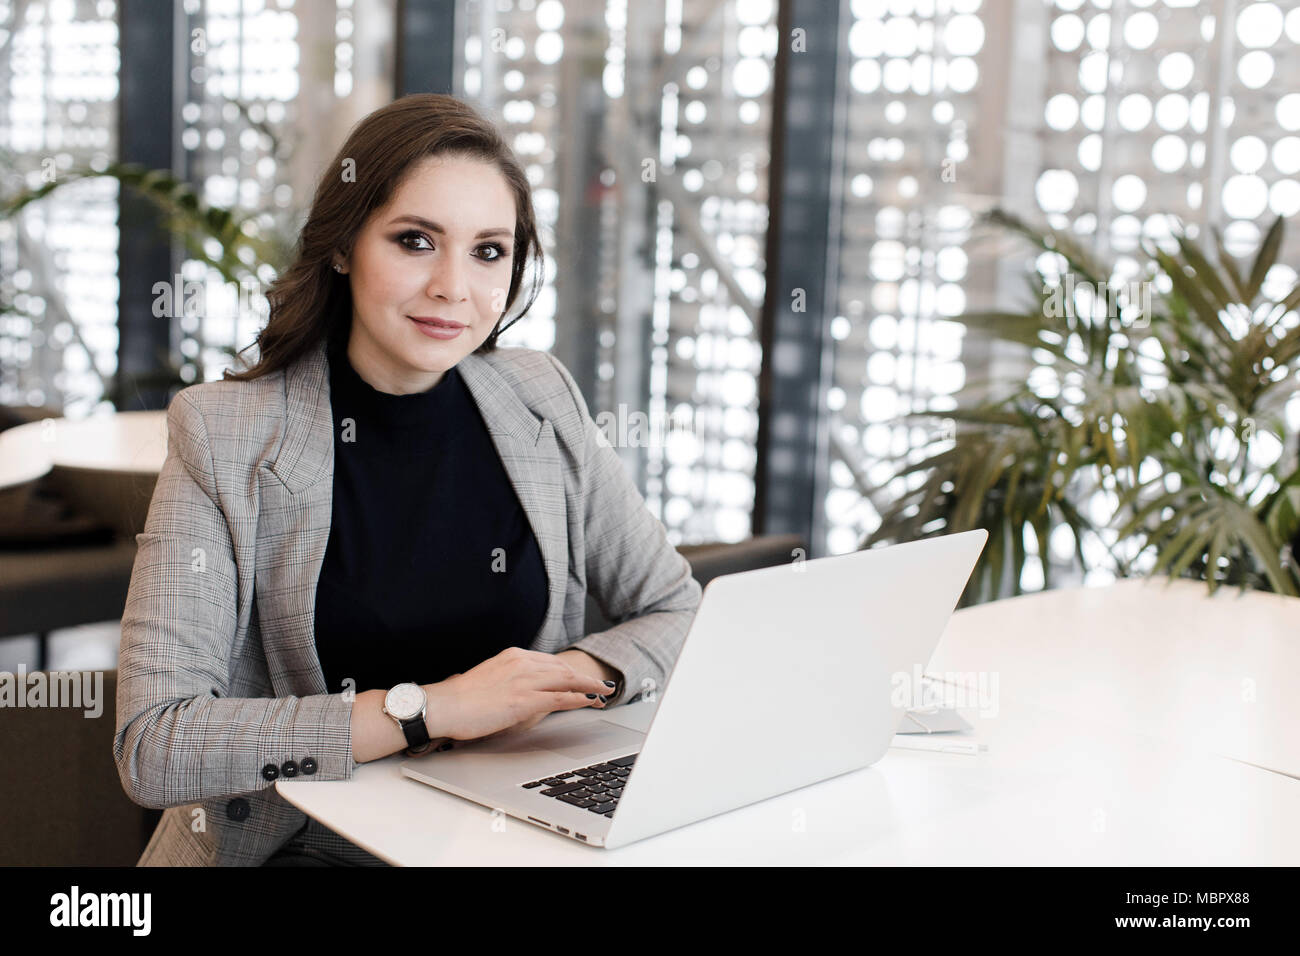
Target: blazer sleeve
(179,737)
(638,578)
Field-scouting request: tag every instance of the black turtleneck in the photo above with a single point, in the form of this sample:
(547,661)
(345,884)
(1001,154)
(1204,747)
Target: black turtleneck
(431,566)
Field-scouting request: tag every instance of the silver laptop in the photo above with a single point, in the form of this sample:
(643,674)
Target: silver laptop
(786,678)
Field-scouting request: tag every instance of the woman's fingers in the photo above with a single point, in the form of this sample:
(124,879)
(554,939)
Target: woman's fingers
(559,687)
(515,690)
(559,676)
(554,674)
(585,690)
(569,700)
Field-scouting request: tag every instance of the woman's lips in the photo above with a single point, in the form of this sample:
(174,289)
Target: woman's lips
(437,328)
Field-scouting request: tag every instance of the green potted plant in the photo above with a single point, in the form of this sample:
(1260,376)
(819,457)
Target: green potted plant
(1172,409)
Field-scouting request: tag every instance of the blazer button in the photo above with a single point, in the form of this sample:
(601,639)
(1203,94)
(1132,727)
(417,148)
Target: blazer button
(289,769)
(270,772)
(237,809)
(308,766)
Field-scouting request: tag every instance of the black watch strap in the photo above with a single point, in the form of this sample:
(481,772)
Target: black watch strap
(417,734)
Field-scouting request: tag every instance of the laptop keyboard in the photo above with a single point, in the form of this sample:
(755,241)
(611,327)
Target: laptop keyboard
(595,788)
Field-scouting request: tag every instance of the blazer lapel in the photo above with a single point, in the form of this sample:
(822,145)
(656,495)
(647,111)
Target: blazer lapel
(294,514)
(296,508)
(527,448)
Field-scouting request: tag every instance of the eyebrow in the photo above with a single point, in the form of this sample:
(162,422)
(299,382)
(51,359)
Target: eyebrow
(434,227)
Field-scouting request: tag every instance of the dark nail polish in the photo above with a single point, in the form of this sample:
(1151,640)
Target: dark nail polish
(609,683)
(604,699)
(591,697)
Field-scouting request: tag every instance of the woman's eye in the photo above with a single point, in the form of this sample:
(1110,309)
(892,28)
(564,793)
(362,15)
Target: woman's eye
(411,235)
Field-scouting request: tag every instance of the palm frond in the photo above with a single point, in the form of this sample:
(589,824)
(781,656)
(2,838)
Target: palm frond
(1176,455)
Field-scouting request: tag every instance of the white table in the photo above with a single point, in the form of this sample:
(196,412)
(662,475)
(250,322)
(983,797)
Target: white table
(1159,656)
(124,441)
(1064,779)
(1050,790)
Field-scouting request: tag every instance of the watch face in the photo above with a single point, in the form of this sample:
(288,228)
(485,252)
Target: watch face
(405,701)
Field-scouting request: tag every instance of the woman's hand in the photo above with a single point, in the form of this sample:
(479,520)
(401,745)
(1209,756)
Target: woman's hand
(513,690)
(585,665)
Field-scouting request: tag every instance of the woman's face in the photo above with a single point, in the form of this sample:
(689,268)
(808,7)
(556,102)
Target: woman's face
(441,249)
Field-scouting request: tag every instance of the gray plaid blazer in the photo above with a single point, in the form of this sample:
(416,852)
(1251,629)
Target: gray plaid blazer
(218,675)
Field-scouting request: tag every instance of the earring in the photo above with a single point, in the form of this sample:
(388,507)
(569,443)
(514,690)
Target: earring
(337,267)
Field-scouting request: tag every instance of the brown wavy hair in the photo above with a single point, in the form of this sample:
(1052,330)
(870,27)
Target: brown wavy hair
(309,301)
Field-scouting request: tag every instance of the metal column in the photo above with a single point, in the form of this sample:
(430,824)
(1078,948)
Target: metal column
(801,263)
(145,135)
(426,47)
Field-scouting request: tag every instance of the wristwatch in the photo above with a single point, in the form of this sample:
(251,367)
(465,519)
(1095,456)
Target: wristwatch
(406,704)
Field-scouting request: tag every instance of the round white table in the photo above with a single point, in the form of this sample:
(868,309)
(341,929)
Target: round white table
(124,442)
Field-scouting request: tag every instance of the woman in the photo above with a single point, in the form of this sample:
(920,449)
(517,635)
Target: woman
(380,537)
